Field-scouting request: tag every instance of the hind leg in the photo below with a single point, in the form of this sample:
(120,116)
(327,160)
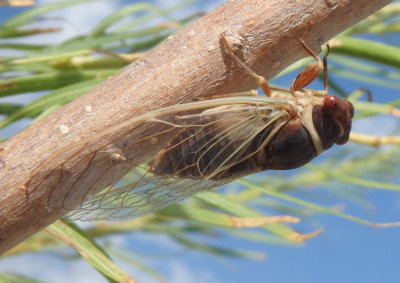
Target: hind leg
(261,81)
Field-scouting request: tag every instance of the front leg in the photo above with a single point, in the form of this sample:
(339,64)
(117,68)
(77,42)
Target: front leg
(308,75)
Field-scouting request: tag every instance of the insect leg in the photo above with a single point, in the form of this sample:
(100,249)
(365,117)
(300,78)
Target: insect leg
(309,74)
(261,81)
(325,64)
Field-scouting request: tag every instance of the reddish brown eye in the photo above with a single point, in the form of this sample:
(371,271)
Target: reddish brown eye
(336,106)
(333,104)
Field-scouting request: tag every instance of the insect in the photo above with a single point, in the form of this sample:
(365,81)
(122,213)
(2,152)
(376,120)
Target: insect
(203,145)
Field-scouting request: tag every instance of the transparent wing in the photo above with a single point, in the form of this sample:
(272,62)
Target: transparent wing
(162,157)
(147,194)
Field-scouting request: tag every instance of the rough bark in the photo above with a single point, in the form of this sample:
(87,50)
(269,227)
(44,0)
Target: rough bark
(187,65)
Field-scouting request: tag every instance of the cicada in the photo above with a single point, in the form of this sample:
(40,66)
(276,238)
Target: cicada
(204,144)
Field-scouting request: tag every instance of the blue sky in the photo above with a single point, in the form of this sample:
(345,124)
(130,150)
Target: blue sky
(344,252)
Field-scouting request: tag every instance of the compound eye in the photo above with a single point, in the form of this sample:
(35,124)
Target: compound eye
(333,104)
(336,106)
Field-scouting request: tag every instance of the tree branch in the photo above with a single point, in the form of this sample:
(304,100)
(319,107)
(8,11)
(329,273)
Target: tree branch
(187,65)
